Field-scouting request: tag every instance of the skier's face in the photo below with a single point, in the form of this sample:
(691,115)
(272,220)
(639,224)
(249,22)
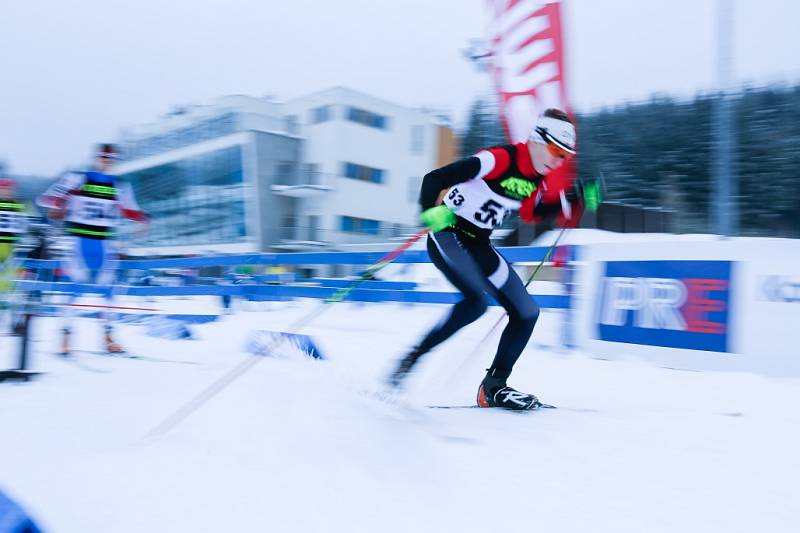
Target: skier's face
(104,163)
(546,157)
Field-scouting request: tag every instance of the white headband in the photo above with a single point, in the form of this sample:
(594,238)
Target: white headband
(559,132)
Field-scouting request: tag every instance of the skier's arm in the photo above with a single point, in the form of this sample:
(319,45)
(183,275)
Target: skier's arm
(54,199)
(485,163)
(129,208)
(568,206)
(582,197)
(56,195)
(566,210)
(443,178)
(552,199)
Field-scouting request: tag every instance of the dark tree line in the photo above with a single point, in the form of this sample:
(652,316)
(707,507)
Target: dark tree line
(659,154)
(483,129)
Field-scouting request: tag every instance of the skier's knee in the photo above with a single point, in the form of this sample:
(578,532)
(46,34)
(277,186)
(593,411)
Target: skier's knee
(533,315)
(528,316)
(474,308)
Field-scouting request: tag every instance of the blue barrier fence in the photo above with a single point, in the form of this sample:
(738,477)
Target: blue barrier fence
(289,287)
(514,254)
(275,292)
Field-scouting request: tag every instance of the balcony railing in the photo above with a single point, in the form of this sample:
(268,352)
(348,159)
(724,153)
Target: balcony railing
(302,184)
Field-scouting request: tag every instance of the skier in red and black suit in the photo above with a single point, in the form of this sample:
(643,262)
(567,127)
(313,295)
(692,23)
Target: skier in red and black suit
(461,204)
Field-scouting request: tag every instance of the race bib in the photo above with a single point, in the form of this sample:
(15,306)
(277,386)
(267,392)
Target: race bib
(92,211)
(12,222)
(476,202)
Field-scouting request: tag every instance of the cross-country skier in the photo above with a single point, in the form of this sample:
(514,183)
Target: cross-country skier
(461,204)
(91,203)
(12,227)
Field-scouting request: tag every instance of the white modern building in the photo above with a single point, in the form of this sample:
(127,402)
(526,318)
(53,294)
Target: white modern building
(327,171)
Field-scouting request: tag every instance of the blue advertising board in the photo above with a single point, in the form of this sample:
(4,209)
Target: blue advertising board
(676,304)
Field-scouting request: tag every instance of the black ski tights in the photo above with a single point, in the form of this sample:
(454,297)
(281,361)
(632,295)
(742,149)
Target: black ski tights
(476,269)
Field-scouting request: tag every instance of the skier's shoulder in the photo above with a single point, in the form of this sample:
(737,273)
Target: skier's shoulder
(64,185)
(495,160)
(509,149)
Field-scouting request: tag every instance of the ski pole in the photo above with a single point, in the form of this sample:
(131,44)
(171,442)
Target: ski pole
(546,256)
(499,320)
(229,377)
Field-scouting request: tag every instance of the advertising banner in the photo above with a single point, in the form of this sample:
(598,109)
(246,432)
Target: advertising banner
(674,304)
(526,45)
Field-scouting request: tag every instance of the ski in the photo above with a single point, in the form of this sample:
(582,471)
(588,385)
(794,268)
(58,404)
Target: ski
(17,375)
(540,406)
(128,355)
(161,360)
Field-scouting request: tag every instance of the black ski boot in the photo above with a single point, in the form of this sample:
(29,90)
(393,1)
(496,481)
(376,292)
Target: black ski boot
(493,392)
(398,376)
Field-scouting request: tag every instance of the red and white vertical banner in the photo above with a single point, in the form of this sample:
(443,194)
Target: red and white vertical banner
(526,45)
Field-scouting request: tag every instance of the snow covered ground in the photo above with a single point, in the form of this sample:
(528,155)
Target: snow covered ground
(299,445)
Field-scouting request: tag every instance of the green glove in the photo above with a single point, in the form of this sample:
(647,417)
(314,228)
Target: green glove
(437,218)
(592,196)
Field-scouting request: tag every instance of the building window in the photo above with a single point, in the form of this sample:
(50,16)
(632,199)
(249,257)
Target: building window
(414,185)
(313,227)
(360,225)
(195,200)
(288,227)
(321,114)
(311,174)
(199,132)
(285,173)
(363,172)
(367,118)
(417,139)
(291,124)
(346,223)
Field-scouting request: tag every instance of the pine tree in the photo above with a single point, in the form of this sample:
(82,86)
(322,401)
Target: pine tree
(659,154)
(483,128)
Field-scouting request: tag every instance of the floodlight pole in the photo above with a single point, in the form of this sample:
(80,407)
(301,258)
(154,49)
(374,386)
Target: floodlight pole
(725,205)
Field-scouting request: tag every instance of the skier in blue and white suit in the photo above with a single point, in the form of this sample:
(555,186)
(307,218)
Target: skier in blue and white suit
(91,204)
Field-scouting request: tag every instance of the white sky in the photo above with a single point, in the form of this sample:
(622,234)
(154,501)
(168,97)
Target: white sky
(74,73)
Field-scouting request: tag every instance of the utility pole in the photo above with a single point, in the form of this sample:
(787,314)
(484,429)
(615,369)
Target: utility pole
(725,205)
